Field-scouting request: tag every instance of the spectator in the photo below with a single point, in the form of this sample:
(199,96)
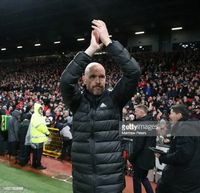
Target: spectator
(67,142)
(25,150)
(13,135)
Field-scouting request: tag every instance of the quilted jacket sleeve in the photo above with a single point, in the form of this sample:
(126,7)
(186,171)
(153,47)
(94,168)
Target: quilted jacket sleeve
(69,80)
(126,86)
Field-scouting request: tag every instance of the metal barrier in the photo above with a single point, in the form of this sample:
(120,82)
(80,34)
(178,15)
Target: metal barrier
(54,146)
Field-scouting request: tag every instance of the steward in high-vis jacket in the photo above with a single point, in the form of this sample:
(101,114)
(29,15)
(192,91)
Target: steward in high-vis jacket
(97,159)
(39,134)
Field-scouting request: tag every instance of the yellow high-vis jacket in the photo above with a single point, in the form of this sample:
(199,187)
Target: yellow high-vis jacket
(39,130)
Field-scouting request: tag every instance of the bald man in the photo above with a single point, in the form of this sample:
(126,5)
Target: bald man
(97,158)
(95,78)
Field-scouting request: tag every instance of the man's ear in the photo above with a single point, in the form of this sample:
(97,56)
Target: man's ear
(84,79)
(180,115)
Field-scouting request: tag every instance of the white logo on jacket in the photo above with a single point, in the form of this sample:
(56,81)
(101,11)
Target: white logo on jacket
(103,105)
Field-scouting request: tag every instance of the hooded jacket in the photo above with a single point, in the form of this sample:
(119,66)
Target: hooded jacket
(97,159)
(39,130)
(13,127)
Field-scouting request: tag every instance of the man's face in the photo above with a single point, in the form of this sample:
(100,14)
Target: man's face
(95,79)
(139,113)
(174,117)
(40,111)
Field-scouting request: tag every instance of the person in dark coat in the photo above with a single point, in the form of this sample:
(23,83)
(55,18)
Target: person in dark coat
(66,136)
(25,150)
(181,174)
(13,134)
(1,145)
(142,158)
(97,154)
(3,134)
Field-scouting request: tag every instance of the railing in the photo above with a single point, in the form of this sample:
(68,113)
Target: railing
(54,146)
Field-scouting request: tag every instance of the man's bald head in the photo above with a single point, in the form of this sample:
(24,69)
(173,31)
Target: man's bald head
(95,78)
(91,65)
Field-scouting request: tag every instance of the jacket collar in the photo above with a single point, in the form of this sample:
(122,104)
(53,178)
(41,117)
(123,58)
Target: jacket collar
(92,97)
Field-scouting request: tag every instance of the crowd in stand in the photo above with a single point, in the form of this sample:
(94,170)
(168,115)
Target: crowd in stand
(167,79)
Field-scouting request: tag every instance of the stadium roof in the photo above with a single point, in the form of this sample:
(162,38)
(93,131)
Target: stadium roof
(26,22)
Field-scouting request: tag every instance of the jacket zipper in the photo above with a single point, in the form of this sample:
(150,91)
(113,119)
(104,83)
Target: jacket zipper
(93,111)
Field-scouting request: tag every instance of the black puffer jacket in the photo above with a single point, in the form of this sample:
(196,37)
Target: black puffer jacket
(183,159)
(96,149)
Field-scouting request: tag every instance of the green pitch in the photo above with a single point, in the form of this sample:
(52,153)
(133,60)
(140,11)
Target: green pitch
(19,181)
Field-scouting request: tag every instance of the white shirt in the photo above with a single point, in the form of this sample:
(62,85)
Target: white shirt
(65,132)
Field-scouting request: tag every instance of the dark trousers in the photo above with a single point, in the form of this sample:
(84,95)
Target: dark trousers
(140,177)
(24,155)
(66,148)
(37,156)
(1,145)
(162,188)
(13,148)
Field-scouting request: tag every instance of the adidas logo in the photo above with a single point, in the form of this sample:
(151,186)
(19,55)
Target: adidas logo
(103,105)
